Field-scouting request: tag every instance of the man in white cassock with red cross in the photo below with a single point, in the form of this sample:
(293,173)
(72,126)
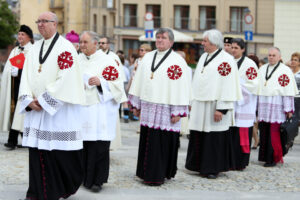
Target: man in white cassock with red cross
(277,88)
(104,92)
(160,94)
(51,89)
(215,88)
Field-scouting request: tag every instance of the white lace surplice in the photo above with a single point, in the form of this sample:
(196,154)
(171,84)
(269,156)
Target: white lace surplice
(273,109)
(56,126)
(158,116)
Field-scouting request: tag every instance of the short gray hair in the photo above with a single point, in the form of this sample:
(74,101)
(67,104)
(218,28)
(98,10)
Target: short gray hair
(166,30)
(275,48)
(215,37)
(92,34)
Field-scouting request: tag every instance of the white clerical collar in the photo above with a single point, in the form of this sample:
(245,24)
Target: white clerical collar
(211,54)
(162,52)
(273,65)
(238,59)
(28,44)
(106,51)
(48,41)
(92,56)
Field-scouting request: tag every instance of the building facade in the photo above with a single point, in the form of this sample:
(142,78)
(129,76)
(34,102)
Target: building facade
(123,20)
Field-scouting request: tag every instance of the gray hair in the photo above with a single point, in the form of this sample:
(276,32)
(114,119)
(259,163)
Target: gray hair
(215,37)
(166,30)
(275,48)
(92,34)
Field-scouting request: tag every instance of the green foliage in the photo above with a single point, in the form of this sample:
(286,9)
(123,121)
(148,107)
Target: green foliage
(8,25)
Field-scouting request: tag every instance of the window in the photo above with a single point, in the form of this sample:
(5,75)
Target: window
(155,10)
(181,17)
(130,12)
(95,23)
(207,17)
(237,15)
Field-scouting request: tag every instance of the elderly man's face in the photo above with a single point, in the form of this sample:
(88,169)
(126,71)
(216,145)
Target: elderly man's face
(273,56)
(163,42)
(46,25)
(87,45)
(208,47)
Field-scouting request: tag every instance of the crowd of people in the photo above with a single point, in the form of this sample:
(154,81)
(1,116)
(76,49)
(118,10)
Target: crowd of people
(65,101)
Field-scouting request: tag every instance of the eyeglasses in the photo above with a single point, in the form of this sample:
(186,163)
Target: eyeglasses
(43,21)
(102,43)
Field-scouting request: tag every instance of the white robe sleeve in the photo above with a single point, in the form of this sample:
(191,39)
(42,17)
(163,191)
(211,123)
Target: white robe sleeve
(106,94)
(24,102)
(49,104)
(224,105)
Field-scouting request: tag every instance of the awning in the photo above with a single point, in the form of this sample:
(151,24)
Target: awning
(178,37)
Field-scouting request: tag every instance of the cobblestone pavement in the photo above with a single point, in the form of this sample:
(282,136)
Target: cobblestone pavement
(256,182)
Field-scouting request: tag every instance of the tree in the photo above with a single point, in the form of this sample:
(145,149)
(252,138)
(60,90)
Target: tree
(8,25)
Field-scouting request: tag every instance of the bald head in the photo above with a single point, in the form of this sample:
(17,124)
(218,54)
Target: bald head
(47,24)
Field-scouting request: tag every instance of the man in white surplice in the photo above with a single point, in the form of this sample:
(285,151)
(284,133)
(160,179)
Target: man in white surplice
(104,91)
(51,89)
(215,88)
(277,88)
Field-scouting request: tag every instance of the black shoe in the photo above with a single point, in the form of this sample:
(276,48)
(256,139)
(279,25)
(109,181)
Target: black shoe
(211,176)
(20,146)
(270,164)
(10,146)
(96,188)
(154,184)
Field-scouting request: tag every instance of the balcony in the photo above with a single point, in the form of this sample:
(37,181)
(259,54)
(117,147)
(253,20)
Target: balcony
(138,22)
(209,23)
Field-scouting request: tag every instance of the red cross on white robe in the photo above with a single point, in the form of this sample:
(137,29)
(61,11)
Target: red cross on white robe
(110,73)
(283,80)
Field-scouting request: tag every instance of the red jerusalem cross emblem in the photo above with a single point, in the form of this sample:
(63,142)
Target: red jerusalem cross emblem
(110,73)
(224,69)
(65,60)
(174,72)
(251,73)
(283,80)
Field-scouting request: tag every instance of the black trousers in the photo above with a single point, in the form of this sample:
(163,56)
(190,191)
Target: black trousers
(208,152)
(96,162)
(13,137)
(54,174)
(157,155)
